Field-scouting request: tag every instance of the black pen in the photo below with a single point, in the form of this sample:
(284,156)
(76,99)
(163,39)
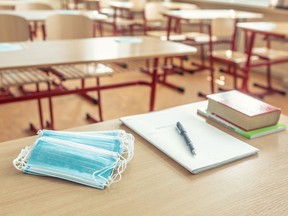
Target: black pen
(183,132)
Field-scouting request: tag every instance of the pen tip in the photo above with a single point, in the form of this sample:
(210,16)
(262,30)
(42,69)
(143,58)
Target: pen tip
(193,153)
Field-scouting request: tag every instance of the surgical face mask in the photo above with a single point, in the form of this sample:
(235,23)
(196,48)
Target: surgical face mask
(96,159)
(114,140)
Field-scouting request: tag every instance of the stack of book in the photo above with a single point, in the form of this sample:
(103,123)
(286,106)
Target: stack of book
(243,114)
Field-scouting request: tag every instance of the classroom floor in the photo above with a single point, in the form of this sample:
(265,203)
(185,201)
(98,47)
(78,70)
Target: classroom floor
(70,110)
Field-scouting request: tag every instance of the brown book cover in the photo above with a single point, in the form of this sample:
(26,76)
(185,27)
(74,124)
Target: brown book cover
(242,110)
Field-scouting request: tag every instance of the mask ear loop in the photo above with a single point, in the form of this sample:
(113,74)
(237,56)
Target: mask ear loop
(108,181)
(21,161)
(127,147)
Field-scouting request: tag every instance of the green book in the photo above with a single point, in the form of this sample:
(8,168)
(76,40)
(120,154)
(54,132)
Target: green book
(248,134)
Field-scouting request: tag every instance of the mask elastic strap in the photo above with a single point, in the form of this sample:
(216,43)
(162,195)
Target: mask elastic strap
(110,180)
(127,145)
(21,161)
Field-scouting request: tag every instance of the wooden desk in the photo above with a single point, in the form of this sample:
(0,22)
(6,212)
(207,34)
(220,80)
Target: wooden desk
(41,15)
(175,16)
(49,53)
(127,5)
(276,29)
(153,184)
(269,30)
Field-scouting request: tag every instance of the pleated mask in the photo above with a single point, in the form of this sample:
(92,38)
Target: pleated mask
(95,159)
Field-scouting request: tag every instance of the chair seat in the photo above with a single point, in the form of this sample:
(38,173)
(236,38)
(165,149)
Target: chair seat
(123,22)
(163,35)
(107,11)
(21,77)
(67,72)
(270,54)
(199,37)
(234,56)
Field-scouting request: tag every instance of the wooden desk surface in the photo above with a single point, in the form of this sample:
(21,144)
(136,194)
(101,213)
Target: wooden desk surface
(276,28)
(41,15)
(127,5)
(47,53)
(210,14)
(153,184)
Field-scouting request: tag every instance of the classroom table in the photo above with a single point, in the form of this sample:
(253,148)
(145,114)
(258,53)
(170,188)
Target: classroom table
(128,5)
(270,30)
(81,51)
(154,184)
(202,15)
(41,15)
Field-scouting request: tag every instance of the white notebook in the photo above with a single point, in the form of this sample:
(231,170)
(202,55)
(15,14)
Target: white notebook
(213,147)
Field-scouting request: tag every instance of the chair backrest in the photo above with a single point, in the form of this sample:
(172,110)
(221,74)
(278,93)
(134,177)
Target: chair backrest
(104,3)
(139,3)
(33,6)
(152,11)
(223,27)
(13,28)
(68,26)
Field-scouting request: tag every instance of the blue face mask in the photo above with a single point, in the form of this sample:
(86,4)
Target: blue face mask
(96,159)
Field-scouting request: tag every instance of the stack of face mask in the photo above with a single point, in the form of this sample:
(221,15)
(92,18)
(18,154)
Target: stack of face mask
(96,159)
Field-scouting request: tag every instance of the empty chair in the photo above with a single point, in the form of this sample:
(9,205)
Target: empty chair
(203,32)
(69,26)
(125,17)
(33,6)
(272,56)
(16,29)
(238,62)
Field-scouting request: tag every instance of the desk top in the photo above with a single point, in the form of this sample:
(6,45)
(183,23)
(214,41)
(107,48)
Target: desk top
(41,15)
(128,5)
(154,184)
(273,28)
(210,14)
(47,53)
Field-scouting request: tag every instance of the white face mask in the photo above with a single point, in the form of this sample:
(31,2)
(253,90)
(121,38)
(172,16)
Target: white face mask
(96,159)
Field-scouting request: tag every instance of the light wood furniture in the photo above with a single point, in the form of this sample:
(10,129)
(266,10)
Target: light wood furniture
(17,29)
(81,51)
(256,57)
(209,15)
(154,184)
(30,6)
(69,26)
(41,15)
(270,31)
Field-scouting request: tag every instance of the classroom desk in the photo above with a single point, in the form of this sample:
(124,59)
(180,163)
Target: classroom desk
(174,17)
(272,30)
(154,184)
(128,5)
(41,15)
(81,51)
